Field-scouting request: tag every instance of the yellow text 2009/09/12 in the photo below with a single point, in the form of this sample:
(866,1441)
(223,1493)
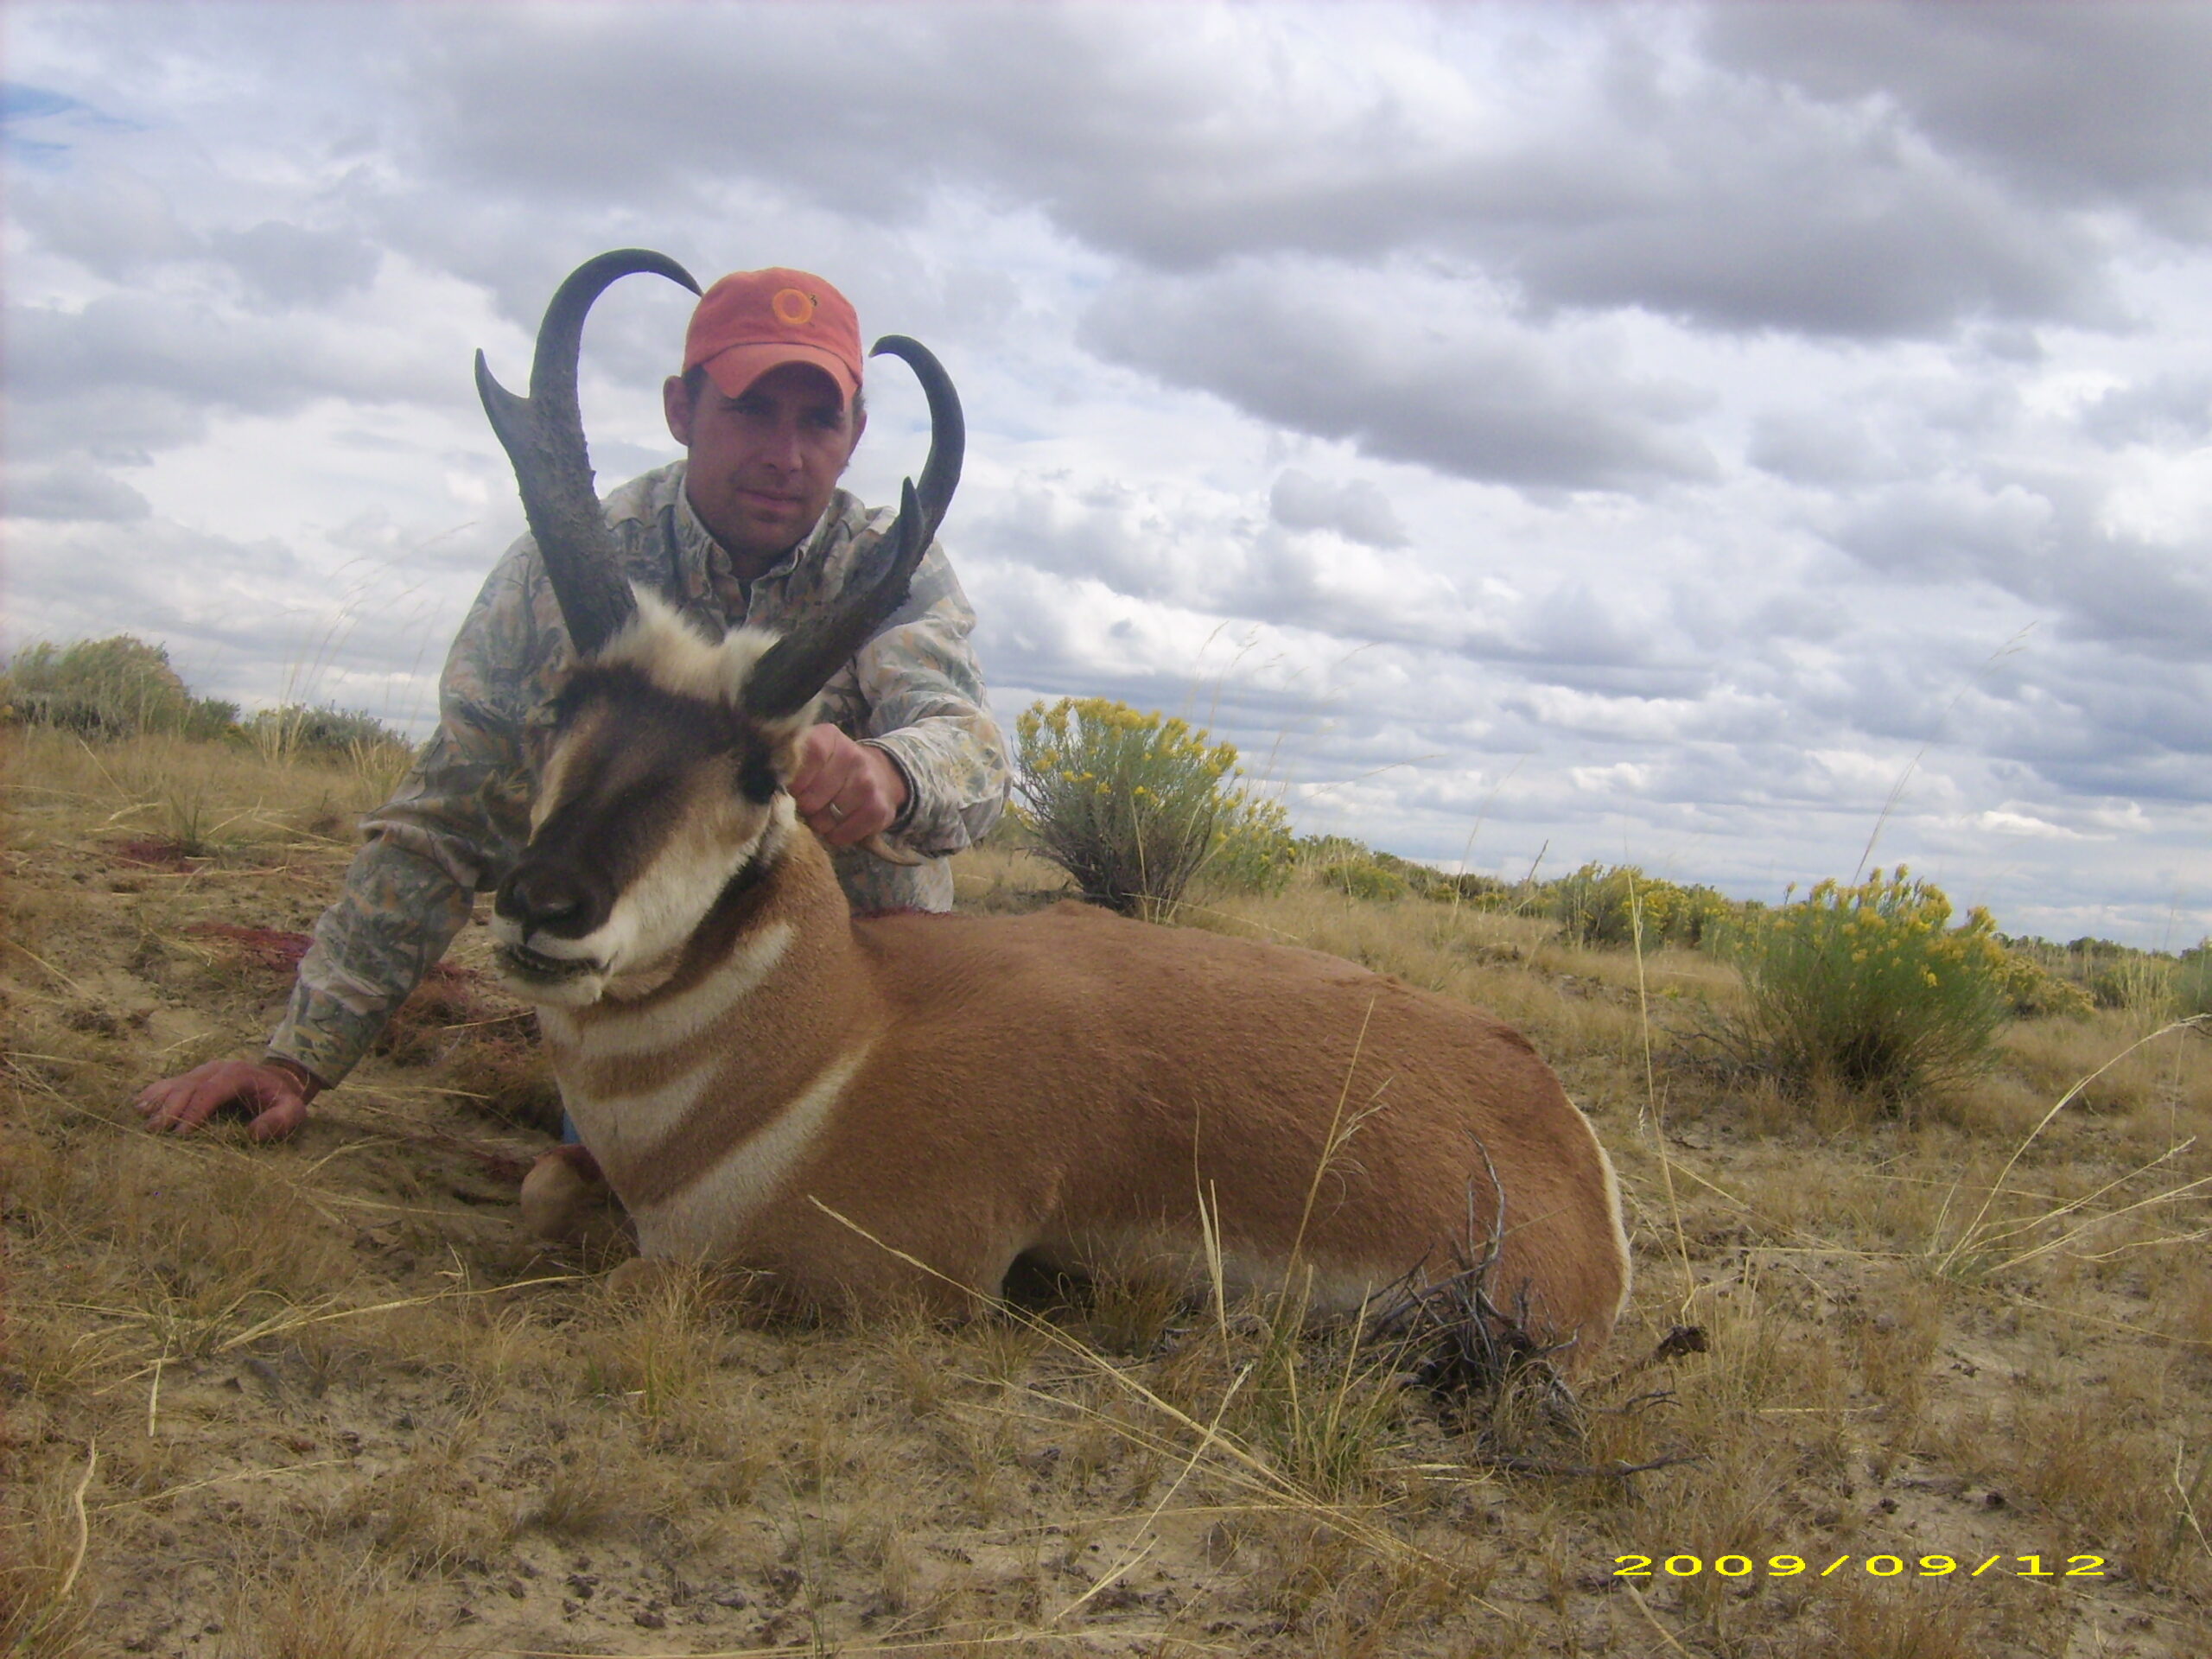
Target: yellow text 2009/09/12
(1879,1566)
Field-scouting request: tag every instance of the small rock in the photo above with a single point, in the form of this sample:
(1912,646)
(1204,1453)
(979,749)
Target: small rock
(650,1619)
(731,1599)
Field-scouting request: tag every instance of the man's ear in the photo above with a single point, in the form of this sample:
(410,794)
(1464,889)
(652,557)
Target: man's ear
(676,404)
(860,426)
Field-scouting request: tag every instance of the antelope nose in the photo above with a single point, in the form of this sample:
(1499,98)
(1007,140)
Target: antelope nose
(541,896)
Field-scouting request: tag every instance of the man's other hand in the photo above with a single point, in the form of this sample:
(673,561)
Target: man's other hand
(276,1095)
(846,792)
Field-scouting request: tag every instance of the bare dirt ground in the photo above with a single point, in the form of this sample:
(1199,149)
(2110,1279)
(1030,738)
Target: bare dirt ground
(320,1399)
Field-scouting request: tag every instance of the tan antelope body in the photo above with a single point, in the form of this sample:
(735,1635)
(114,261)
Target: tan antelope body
(767,1080)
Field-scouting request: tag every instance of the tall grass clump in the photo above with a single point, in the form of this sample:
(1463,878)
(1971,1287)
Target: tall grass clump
(1868,989)
(300,731)
(2192,982)
(1135,805)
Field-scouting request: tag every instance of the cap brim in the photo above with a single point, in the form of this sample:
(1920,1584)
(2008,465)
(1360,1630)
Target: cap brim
(735,370)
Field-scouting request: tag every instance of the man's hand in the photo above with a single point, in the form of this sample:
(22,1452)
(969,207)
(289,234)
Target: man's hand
(276,1095)
(846,792)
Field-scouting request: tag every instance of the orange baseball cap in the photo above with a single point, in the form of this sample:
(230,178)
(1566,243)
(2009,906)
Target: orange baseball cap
(751,321)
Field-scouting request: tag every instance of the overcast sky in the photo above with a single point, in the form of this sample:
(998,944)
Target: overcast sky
(1656,434)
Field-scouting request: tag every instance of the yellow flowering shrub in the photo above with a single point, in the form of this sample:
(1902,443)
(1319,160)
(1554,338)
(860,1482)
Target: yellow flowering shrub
(1133,805)
(1870,986)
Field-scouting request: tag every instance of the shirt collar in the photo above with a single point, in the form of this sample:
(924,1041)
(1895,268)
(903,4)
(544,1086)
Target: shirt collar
(705,562)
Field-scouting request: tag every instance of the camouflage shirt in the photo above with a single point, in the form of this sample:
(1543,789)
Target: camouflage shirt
(460,819)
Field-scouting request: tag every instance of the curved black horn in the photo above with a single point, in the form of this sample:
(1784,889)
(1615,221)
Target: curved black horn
(948,428)
(543,436)
(800,664)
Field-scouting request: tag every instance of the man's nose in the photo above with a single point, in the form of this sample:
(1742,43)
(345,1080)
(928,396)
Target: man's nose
(780,448)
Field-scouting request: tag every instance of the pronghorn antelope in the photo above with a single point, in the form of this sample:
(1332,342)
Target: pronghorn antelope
(767,1079)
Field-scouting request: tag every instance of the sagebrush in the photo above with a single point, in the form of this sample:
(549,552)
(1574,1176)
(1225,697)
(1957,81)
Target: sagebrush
(1133,805)
(1868,988)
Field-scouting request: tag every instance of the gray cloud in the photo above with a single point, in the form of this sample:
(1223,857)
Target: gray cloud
(142,369)
(2104,103)
(2175,409)
(286,265)
(2045,543)
(1395,366)
(1357,509)
(1648,181)
(1948,530)
(1824,446)
(113,221)
(72,490)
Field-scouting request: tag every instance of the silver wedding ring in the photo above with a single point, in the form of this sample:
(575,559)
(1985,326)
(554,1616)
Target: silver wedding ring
(836,811)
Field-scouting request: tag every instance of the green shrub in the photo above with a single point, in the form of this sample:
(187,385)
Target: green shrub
(118,687)
(1133,805)
(1365,878)
(299,731)
(1598,906)
(1868,988)
(2192,982)
(1256,853)
(1354,868)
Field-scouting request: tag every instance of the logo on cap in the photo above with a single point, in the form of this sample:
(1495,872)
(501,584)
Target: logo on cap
(794,308)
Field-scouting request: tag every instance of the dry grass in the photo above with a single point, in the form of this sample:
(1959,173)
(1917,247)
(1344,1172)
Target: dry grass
(319,1399)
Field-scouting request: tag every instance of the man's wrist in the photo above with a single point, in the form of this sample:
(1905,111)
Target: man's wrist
(310,1084)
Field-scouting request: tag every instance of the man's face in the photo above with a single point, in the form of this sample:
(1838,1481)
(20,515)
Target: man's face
(764,464)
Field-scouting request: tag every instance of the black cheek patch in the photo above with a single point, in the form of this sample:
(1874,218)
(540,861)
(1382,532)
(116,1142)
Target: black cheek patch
(756,778)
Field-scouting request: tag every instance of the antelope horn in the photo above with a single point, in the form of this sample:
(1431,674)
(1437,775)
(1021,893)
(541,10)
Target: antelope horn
(543,436)
(799,664)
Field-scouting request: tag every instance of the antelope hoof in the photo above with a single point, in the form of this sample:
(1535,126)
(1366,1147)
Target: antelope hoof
(563,1194)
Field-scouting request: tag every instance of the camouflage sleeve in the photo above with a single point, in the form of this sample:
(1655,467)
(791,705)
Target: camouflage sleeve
(928,710)
(454,827)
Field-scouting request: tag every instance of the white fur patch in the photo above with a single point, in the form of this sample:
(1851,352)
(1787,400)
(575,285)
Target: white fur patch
(619,1127)
(1619,1226)
(670,1023)
(698,1220)
(667,650)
